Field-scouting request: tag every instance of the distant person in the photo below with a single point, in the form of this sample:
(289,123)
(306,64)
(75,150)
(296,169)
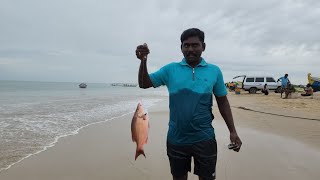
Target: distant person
(237,90)
(284,83)
(232,86)
(288,90)
(265,90)
(308,90)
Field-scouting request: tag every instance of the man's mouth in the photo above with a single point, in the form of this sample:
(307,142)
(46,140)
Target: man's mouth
(191,55)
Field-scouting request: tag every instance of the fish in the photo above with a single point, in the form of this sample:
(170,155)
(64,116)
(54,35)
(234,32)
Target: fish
(139,129)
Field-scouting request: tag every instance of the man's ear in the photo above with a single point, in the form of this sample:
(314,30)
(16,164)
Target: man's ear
(204,46)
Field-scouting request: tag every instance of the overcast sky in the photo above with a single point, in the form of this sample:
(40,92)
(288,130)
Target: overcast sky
(95,40)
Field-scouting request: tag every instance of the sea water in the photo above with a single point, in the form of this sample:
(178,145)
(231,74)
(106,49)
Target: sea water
(34,115)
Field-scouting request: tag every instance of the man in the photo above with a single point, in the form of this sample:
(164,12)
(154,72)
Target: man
(265,89)
(191,84)
(288,90)
(308,90)
(284,83)
(232,86)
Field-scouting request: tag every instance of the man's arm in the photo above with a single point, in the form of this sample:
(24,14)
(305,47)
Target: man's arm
(144,80)
(225,111)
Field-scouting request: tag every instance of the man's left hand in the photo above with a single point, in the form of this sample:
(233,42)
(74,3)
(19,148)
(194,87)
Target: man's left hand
(234,138)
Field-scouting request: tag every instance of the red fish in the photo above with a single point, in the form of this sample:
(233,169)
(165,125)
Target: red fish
(139,129)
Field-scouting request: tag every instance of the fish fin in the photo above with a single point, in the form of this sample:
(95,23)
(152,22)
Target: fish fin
(147,140)
(133,134)
(138,153)
(133,140)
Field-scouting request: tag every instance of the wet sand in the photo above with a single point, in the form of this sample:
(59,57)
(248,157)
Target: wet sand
(275,147)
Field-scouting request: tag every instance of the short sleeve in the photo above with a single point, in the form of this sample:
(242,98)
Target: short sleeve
(219,89)
(160,77)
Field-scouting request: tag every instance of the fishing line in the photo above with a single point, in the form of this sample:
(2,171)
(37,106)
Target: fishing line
(275,114)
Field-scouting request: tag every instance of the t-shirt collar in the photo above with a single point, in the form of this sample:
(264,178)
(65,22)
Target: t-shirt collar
(202,63)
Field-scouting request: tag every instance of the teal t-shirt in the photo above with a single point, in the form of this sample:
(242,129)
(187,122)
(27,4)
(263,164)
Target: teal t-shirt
(190,99)
(284,81)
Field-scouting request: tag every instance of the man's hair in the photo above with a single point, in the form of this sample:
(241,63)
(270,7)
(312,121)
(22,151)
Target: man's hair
(192,32)
(286,75)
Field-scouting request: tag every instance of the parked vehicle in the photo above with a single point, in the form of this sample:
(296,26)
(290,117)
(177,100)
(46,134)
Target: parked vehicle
(314,82)
(256,83)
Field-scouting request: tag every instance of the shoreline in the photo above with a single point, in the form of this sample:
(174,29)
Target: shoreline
(56,140)
(105,150)
(73,133)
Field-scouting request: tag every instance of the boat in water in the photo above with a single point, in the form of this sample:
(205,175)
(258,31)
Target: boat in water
(83,85)
(315,82)
(125,84)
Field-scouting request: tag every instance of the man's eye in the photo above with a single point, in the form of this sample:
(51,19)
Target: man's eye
(186,45)
(195,45)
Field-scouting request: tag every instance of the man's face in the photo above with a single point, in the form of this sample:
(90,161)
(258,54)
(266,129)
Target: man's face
(192,49)
(286,75)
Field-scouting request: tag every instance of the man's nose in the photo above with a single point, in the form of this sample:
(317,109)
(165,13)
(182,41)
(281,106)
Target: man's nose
(190,48)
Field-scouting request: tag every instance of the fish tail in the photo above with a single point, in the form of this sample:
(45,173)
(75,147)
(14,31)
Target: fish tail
(138,153)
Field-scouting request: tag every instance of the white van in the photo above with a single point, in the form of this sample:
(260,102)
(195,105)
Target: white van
(256,83)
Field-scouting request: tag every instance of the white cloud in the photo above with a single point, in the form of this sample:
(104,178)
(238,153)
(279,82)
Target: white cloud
(94,41)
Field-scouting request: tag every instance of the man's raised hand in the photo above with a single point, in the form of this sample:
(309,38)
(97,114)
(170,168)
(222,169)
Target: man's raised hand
(142,51)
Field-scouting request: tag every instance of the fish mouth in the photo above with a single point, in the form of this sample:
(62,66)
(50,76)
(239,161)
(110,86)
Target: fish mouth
(142,116)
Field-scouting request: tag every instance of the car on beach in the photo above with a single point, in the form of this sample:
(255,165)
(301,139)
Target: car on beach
(256,83)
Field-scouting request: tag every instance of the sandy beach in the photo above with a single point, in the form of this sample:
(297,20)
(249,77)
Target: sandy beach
(277,144)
